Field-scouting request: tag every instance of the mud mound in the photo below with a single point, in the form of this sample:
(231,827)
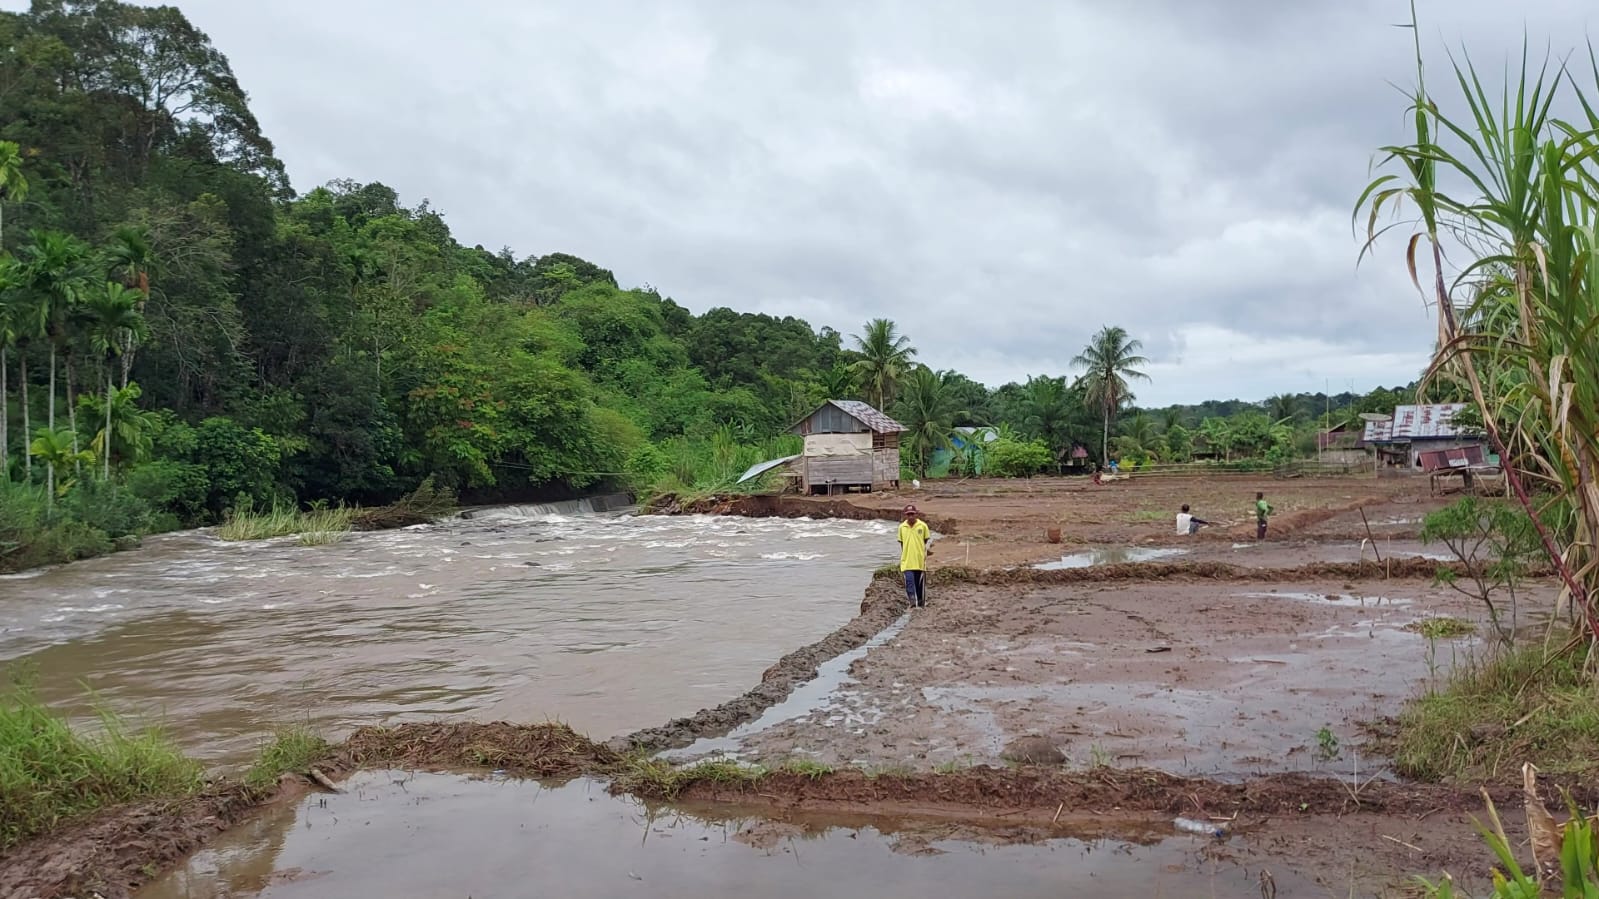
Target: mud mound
(1014,792)
(117,850)
(884,602)
(529,750)
(767,506)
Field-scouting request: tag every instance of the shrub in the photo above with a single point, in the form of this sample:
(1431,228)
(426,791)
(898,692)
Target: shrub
(1017,459)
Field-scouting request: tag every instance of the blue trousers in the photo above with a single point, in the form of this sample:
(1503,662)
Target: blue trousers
(916,587)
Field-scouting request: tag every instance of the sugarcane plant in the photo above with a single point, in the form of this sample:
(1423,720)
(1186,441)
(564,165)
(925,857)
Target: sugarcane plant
(1513,187)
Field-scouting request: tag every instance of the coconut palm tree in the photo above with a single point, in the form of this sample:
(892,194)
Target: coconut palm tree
(1111,358)
(13,186)
(129,258)
(114,323)
(927,409)
(885,358)
(1046,411)
(54,264)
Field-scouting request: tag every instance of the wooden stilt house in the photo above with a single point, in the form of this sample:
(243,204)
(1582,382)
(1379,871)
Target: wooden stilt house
(848,446)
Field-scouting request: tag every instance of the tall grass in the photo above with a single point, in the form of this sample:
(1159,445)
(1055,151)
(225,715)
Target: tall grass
(49,773)
(317,526)
(1515,189)
(1498,710)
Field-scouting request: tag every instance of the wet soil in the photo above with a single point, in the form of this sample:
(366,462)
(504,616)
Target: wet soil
(1003,522)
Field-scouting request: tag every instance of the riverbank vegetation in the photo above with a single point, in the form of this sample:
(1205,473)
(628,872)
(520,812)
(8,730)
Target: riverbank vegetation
(50,773)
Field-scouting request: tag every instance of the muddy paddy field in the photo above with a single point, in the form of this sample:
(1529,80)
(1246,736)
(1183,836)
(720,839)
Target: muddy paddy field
(1036,731)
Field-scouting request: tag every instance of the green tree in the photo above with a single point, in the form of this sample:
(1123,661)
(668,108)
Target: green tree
(1111,358)
(13,184)
(927,408)
(1046,412)
(54,273)
(11,315)
(838,382)
(130,258)
(885,357)
(54,449)
(113,325)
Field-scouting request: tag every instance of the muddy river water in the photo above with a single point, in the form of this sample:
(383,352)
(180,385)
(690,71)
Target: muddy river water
(609,622)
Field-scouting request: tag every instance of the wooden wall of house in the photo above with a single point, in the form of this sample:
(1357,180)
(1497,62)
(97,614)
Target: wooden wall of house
(832,420)
(844,471)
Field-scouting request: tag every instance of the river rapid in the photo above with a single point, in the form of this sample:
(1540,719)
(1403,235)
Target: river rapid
(608,622)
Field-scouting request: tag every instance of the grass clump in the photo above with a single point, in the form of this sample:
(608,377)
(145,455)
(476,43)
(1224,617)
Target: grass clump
(50,773)
(291,750)
(1442,627)
(806,768)
(315,527)
(656,779)
(1497,711)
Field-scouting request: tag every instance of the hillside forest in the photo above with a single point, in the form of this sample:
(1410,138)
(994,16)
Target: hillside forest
(183,335)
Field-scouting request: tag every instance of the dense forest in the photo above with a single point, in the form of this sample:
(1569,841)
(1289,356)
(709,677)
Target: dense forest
(182,333)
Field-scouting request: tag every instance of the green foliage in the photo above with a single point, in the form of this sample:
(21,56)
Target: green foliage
(1017,459)
(50,773)
(1110,359)
(1579,864)
(927,408)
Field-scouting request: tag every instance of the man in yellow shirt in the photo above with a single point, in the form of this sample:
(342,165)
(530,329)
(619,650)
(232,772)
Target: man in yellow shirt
(915,542)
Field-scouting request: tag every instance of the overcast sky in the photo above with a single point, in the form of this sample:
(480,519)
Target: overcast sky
(1000,179)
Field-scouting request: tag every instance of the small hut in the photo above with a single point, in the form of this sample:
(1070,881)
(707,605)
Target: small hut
(848,445)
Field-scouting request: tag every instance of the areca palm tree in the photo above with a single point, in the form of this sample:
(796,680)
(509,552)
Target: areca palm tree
(927,409)
(54,264)
(1111,358)
(10,321)
(130,258)
(885,358)
(114,323)
(54,449)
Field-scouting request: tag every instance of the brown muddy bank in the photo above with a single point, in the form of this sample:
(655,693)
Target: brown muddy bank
(770,506)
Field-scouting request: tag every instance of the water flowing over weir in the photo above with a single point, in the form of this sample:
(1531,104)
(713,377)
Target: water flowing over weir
(607,621)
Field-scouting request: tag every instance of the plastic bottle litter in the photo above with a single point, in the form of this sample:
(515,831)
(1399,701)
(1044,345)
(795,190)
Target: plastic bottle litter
(1189,825)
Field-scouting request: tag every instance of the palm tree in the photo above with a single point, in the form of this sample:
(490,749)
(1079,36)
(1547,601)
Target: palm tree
(1284,406)
(129,428)
(1110,359)
(1046,411)
(928,410)
(130,258)
(13,186)
(10,322)
(885,357)
(114,323)
(55,264)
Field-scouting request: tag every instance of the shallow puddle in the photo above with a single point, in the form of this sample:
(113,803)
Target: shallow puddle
(1109,556)
(424,835)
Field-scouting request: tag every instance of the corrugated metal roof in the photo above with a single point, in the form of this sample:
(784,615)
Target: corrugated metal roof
(866,415)
(761,468)
(1430,422)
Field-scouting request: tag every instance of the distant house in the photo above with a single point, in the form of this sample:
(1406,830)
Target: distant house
(848,445)
(1424,438)
(970,443)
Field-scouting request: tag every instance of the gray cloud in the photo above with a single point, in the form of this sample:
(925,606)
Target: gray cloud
(1001,180)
